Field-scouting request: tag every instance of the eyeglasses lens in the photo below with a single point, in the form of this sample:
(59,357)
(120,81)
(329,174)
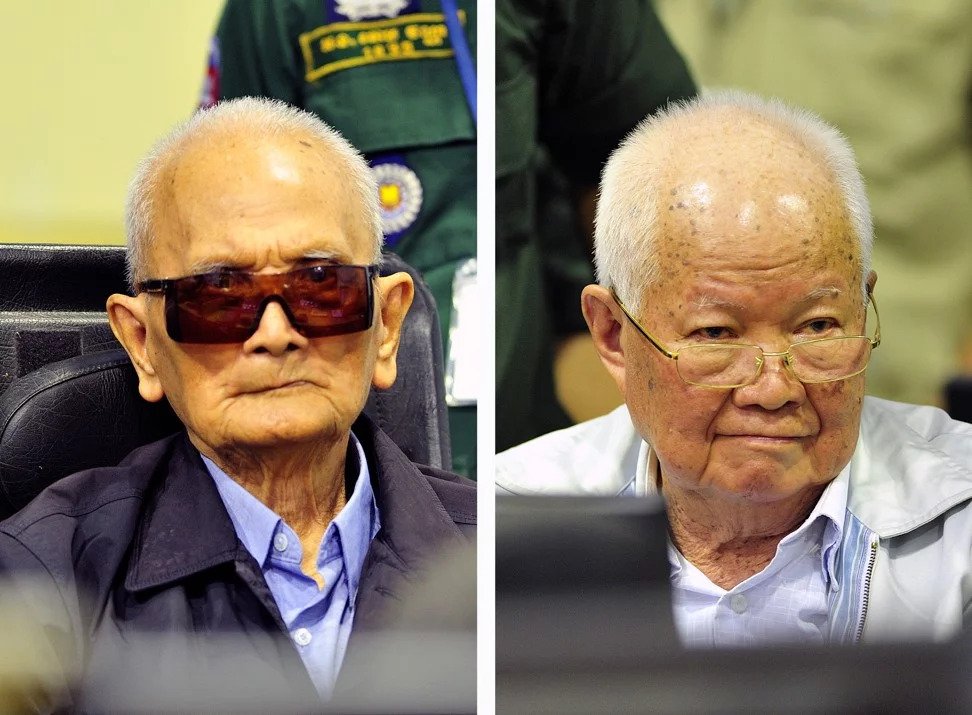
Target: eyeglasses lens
(226,306)
(812,361)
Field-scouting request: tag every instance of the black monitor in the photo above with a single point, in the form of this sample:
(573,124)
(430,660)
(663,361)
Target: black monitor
(580,580)
(584,624)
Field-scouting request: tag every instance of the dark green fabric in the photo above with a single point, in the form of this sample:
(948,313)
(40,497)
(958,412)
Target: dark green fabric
(413,109)
(572,78)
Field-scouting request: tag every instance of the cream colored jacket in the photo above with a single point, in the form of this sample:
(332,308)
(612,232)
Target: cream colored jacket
(905,562)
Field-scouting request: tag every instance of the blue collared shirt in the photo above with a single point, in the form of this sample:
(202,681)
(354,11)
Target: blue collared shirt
(319,619)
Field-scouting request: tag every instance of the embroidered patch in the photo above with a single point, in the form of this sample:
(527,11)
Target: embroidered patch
(399,195)
(210,90)
(355,10)
(343,45)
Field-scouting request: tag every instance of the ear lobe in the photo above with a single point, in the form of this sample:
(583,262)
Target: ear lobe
(128,321)
(604,322)
(394,297)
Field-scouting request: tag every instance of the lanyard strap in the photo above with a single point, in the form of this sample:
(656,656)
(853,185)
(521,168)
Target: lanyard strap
(464,60)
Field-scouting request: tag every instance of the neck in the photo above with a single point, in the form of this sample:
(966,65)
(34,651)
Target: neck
(304,484)
(730,540)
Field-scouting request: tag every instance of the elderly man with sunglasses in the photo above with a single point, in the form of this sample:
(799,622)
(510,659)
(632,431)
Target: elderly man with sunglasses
(282,514)
(735,311)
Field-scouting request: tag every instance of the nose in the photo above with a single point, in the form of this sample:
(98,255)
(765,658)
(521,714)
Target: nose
(774,387)
(275,334)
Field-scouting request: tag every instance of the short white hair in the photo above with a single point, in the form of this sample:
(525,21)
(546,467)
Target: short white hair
(259,117)
(625,254)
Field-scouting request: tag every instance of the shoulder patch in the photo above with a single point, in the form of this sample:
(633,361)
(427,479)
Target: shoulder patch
(399,194)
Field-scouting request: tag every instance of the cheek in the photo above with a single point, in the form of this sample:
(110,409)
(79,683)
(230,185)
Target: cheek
(838,406)
(675,418)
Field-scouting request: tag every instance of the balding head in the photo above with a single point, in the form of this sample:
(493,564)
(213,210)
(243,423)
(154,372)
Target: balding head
(219,145)
(730,158)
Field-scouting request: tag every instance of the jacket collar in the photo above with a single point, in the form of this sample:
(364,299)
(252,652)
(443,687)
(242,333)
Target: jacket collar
(185,528)
(910,466)
(414,525)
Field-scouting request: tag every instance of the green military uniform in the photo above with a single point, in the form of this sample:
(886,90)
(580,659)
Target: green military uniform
(390,85)
(572,78)
(895,76)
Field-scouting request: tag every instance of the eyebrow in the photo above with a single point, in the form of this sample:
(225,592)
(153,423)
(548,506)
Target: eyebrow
(709,301)
(316,255)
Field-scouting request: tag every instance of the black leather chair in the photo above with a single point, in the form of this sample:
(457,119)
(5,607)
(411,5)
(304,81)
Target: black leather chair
(52,303)
(85,411)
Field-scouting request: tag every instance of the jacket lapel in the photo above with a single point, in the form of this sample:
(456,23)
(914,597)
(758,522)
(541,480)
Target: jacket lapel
(414,526)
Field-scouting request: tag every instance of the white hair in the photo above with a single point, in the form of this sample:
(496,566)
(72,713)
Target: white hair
(625,256)
(259,117)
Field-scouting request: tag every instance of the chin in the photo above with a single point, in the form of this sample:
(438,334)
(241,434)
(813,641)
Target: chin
(765,486)
(280,429)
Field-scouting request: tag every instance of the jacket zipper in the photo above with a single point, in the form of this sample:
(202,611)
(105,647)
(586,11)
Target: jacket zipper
(865,596)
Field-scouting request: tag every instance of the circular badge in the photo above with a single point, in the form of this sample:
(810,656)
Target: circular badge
(400,196)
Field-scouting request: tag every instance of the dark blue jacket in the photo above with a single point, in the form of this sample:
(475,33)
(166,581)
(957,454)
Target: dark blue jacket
(148,546)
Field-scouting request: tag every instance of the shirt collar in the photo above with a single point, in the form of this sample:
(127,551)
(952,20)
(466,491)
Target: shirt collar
(832,505)
(358,522)
(255,523)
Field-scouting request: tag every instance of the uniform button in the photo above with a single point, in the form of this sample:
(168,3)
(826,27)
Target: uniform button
(302,636)
(280,542)
(738,603)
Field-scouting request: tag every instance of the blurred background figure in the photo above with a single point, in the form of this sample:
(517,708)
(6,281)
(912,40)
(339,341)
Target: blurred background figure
(390,77)
(895,77)
(572,78)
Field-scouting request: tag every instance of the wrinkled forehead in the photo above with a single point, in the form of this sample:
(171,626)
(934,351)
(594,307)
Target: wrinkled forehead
(235,198)
(752,190)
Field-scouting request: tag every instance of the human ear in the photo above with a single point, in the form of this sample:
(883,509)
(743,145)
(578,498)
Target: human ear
(604,321)
(128,320)
(393,297)
(871,281)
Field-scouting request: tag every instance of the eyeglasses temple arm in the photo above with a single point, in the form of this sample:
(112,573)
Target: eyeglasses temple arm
(876,340)
(667,353)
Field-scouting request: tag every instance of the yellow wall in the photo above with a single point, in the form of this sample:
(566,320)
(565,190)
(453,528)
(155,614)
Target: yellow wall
(88,85)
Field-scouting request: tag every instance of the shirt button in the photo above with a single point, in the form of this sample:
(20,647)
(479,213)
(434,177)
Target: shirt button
(738,603)
(302,636)
(280,542)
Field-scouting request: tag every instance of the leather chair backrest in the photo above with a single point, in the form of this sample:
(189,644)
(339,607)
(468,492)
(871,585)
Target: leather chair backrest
(85,411)
(52,303)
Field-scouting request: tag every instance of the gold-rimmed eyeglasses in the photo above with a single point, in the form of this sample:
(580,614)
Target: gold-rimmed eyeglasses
(729,365)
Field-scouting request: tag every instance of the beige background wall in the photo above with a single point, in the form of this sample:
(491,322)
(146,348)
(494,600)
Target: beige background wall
(88,85)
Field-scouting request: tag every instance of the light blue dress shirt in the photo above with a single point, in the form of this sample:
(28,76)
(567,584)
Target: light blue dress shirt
(318,619)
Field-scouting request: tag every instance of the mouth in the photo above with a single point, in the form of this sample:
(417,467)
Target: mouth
(278,387)
(766,440)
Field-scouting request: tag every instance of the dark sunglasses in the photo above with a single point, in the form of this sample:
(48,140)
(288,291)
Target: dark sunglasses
(225,306)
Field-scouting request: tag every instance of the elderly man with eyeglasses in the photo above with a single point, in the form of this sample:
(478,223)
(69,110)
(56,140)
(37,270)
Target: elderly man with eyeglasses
(735,311)
(281,516)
